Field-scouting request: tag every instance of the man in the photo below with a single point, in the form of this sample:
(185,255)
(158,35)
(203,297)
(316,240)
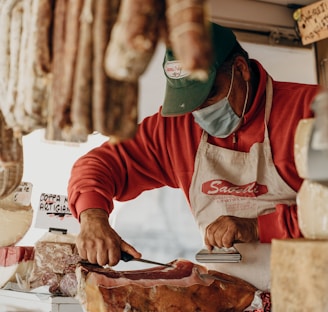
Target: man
(227,142)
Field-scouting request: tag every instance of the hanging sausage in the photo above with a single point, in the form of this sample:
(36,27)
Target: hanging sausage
(73,66)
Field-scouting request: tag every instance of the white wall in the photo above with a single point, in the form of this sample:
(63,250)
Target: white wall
(285,63)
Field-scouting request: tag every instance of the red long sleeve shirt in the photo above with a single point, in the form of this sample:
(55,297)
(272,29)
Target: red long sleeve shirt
(164,148)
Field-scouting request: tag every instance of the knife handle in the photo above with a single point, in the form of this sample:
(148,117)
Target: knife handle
(126,257)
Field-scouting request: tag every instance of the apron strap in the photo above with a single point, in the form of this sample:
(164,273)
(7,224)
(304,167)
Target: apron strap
(268,105)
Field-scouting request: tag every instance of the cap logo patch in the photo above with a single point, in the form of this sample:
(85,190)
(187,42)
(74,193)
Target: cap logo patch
(174,70)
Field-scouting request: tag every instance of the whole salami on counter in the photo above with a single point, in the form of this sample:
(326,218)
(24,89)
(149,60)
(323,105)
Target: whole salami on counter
(55,260)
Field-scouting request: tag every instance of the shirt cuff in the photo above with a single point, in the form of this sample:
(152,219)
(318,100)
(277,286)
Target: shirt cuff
(92,200)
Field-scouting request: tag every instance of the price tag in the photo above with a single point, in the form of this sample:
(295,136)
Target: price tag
(53,212)
(312,21)
(23,193)
(20,197)
(54,204)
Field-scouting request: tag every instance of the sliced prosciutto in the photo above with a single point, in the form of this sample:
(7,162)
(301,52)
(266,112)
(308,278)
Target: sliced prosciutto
(183,287)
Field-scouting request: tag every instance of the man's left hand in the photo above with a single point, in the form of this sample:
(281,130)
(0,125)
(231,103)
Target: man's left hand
(227,230)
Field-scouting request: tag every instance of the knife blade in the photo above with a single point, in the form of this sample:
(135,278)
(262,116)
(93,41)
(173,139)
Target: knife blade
(126,257)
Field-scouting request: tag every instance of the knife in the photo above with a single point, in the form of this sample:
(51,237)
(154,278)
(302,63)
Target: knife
(126,257)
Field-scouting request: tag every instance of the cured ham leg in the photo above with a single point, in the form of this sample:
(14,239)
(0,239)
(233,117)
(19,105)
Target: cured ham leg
(184,287)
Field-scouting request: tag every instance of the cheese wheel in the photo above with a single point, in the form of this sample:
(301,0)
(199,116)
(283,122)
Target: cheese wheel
(301,143)
(299,275)
(312,202)
(14,225)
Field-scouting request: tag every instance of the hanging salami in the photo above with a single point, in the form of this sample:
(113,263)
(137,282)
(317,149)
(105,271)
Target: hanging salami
(25,89)
(80,111)
(34,83)
(11,158)
(10,37)
(114,102)
(72,66)
(134,38)
(189,35)
(121,111)
(104,18)
(14,46)
(65,44)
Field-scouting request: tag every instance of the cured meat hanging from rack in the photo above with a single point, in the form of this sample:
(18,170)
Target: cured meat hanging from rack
(181,24)
(11,159)
(10,37)
(80,111)
(114,102)
(121,110)
(134,38)
(104,18)
(34,66)
(13,16)
(7,56)
(72,66)
(65,40)
(11,149)
(189,35)
(24,76)
(85,99)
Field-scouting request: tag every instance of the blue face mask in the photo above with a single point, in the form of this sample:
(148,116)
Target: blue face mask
(219,119)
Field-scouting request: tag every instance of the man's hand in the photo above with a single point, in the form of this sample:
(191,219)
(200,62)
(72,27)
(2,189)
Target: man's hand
(226,230)
(97,242)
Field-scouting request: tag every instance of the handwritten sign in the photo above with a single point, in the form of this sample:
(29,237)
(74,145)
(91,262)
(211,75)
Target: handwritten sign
(23,193)
(53,212)
(312,21)
(20,197)
(54,204)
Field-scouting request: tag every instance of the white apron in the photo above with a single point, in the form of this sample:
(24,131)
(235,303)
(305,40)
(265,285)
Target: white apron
(228,182)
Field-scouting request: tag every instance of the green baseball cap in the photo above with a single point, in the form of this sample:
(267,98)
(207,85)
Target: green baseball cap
(184,94)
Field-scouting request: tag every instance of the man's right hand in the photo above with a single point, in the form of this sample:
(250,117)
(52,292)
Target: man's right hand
(97,242)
